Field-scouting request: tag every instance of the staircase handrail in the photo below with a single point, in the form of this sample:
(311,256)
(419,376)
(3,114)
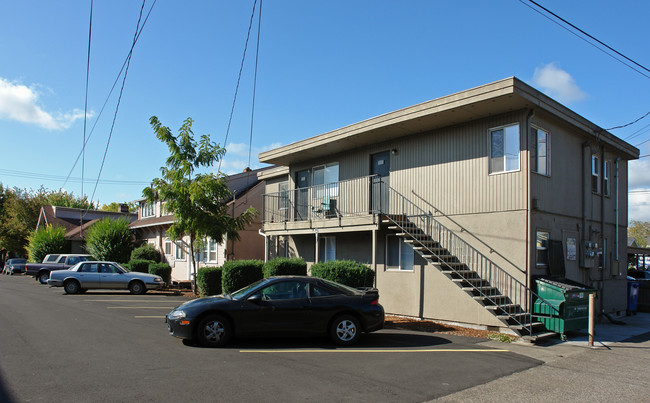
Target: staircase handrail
(501,271)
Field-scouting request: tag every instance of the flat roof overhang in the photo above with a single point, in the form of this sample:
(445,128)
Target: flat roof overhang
(510,94)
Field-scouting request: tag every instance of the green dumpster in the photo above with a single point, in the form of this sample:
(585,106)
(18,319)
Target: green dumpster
(562,305)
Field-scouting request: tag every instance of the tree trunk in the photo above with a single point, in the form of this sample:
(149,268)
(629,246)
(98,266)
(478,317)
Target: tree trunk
(194,289)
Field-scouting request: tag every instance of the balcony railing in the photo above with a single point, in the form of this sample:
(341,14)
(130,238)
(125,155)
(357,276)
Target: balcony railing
(348,198)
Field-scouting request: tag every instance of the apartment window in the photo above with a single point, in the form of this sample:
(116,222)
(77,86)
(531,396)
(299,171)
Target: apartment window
(180,252)
(542,151)
(504,149)
(326,178)
(595,174)
(168,247)
(542,249)
(146,210)
(606,177)
(212,250)
(399,254)
(283,199)
(327,250)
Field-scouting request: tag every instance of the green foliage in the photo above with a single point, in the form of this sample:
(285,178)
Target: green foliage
(146,252)
(346,272)
(197,201)
(208,281)
(639,230)
(240,273)
(163,270)
(110,240)
(19,210)
(285,267)
(140,265)
(503,338)
(44,241)
(115,207)
(64,199)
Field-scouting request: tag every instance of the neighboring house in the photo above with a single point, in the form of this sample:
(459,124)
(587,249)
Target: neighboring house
(153,222)
(71,218)
(459,202)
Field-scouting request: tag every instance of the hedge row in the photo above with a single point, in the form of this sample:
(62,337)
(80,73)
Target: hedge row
(149,266)
(237,274)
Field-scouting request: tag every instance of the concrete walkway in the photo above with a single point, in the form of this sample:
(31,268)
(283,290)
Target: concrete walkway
(617,368)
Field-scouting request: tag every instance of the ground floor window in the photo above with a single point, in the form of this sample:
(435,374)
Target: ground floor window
(180,251)
(327,249)
(168,247)
(542,249)
(399,254)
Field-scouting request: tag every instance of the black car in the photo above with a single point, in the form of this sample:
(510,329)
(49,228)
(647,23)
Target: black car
(286,305)
(14,266)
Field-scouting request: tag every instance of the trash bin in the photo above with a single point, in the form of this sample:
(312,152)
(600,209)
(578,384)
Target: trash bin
(569,302)
(632,296)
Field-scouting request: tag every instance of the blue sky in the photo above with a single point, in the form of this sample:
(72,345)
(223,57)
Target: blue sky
(322,65)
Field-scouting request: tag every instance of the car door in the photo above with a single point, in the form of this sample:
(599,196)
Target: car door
(282,308)
(325,302)
(112,278)
(88,275)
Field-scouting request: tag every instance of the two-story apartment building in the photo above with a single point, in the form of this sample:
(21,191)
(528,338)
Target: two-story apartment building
(153,222)
(459,202)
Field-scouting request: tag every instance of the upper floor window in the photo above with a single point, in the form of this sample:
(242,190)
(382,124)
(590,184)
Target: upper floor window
(180,251)
(212,250)
(606,177)
(146,210)
(542,249)
(283,199)
(328,177)
(541,151)
(504,148)
(595,174)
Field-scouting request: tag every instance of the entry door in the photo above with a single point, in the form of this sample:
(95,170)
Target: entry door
(379,189)
(302,195)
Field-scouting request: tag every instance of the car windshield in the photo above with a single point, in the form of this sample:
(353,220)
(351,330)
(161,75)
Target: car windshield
(17,261)
(120,267)
(239,294)
(344,288)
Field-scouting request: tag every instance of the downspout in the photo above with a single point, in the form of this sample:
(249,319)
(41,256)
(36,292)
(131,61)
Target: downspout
(586,173)
(618,268)
(266,245)
(602,227)
(529,267)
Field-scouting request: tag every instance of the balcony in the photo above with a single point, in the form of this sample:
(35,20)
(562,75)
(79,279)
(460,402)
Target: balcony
(347,203)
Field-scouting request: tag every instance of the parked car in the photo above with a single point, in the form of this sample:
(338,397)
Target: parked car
(51,258)
(41,271)
(103,275)
(285,305)
(14,266)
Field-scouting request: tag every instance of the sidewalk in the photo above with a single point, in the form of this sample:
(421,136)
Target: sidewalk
(615,369)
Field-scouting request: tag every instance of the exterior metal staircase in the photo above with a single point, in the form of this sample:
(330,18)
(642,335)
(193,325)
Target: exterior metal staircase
(498,291)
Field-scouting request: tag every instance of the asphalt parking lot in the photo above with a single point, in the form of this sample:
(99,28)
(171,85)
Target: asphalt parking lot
(113,346)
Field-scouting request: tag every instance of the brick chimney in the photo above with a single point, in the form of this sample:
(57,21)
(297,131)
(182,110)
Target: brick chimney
(124,208)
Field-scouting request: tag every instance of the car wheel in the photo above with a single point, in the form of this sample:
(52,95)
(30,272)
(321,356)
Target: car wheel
(83,290)
(137,288)
(71,287)
(213,331)
(43,277)
(345,330)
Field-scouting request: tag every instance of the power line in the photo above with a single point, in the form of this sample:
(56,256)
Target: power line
(629,124)
(241,68)
(257,54)
(637,133)
(108,97)
(83,146)
(585,33)
(49,177)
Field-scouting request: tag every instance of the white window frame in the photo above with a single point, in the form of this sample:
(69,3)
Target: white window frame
(168,247)
(330,185)
(209,245)
(405,252)
(283,200)
(595,174)
(606,182)
(180,252)
(326,242)
(147,210)
(491,159)
(547,151)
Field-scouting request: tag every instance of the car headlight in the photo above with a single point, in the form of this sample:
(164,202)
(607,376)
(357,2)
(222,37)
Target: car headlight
(176,314)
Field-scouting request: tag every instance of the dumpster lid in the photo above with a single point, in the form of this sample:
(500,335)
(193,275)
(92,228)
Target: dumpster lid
(565,284)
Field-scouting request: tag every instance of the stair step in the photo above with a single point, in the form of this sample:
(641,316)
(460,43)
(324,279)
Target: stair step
(432,249)
(503,307)
(479,289)
(525,326)
(468,280)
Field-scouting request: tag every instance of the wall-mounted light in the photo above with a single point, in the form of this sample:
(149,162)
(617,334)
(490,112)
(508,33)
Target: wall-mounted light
(393,151)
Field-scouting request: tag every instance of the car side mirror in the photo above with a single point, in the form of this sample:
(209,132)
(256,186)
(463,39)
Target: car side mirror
(256,299)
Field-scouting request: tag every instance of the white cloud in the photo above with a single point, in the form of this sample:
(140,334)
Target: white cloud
(557,84)
(20,103)
(236,159)
(639,180)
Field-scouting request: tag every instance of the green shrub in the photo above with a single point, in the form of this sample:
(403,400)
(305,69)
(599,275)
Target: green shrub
(346,272)
(140,265)
(240,273)
(163,270)
(146,252)
(44,241)
(110,240)
(208,281)
(285,267)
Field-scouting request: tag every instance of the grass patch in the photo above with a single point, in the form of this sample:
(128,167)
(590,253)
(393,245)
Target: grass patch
(503,338)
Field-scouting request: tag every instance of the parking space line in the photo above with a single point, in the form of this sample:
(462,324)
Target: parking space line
(436,350)
(140,307)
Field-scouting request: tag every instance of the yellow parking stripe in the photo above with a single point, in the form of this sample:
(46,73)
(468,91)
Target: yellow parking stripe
(437,350)
(140,307)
